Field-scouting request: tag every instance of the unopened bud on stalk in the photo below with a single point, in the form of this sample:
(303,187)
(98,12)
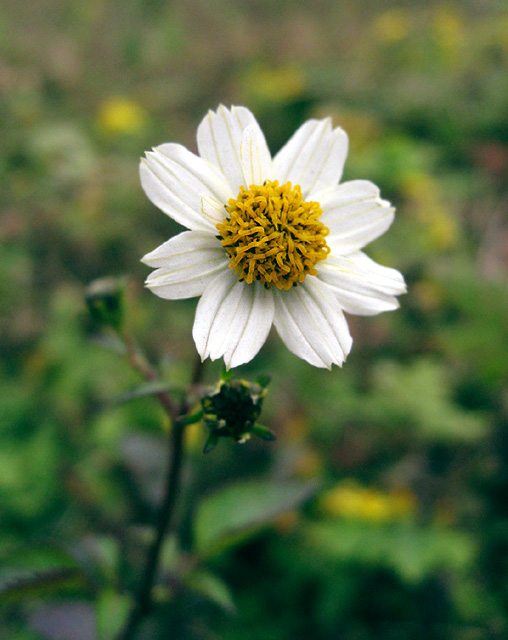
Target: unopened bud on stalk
(105,301)
(232,409)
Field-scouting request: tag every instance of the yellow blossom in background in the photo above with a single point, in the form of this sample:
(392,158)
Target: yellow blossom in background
(268,84)
(117,116)
(442,229)
(392,26)
(449,31)
(351,501)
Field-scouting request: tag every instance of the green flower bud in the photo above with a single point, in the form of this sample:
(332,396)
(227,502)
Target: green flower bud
(105,301)
(231,410)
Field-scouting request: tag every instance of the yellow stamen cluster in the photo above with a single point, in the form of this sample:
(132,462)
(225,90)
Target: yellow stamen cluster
(272,235)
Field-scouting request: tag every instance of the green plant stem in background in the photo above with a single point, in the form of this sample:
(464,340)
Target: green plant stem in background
(143,599)
(138,361)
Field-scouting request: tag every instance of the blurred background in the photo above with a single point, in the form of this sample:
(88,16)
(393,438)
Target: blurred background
(381,510)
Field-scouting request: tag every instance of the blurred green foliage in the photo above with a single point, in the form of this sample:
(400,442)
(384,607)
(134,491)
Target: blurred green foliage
(380,512)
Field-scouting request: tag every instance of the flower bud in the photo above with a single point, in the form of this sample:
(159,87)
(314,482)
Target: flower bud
(231,410)
(105,301)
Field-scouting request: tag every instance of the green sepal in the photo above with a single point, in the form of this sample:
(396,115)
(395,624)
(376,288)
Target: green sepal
(225,375)
(263,432)
(264,381)
(211,442)
(191,418)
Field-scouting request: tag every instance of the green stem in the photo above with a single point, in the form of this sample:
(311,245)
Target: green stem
(143,601)
(138,361)
(144,596)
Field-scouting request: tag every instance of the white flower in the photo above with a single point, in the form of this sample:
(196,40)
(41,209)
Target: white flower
(269,241)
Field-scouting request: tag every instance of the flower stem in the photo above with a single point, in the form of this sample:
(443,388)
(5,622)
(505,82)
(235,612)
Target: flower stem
(138,361)
(143,601)
(144,596)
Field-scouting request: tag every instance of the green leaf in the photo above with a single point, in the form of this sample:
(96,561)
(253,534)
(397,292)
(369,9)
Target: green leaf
(147,389)
(38,572)
(240,510)
(112,611)
(421,394)
(413,552)
(22,584)
(212,587)
(41,557)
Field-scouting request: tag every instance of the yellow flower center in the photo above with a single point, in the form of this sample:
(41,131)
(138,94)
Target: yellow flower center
(272,235)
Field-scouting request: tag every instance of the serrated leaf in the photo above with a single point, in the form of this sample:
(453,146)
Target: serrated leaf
(212,587)
(240,510)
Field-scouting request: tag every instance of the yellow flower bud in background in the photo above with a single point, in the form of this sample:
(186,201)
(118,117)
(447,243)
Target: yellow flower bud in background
(392,26)
(268,84)
(351,501)
(119,116)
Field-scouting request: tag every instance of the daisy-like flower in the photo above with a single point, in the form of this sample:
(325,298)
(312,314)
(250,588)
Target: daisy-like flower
(269,241)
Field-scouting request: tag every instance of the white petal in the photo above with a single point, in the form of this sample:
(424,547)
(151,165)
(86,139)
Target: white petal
(220,139)
(176,180)
(213,210)
(313,157)
(256,160)
(311,323)
(355,215)
(186,265)
(362,286)
(233,320)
